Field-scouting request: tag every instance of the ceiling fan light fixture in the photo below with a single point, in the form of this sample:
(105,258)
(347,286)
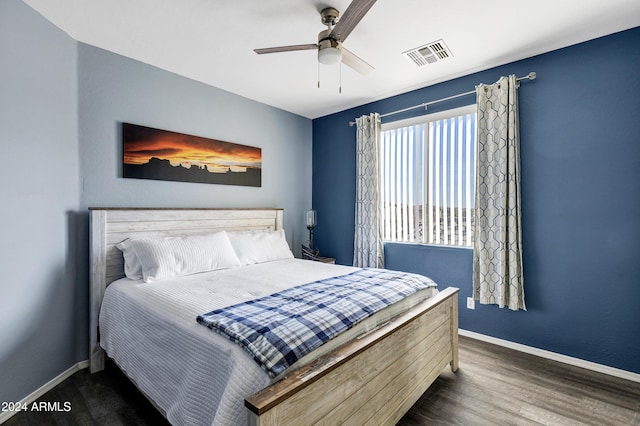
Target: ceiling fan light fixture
(329,46)
(329,55)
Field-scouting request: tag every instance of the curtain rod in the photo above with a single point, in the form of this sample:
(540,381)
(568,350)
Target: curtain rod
(530,76)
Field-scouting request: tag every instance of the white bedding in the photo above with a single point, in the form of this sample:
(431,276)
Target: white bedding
(194,375)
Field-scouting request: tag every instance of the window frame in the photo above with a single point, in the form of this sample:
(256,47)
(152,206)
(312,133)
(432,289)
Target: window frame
(422,120)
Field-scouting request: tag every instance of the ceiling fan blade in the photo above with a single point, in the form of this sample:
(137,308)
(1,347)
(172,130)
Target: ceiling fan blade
(286,48)
(354,62)
(350,18)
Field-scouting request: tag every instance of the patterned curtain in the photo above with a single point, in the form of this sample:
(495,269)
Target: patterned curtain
(367,245)
(497,256)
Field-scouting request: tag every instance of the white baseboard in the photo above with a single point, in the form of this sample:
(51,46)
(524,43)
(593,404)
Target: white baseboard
(576,362)
(33,396)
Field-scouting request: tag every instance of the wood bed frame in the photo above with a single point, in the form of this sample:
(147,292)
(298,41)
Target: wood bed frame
(374,379)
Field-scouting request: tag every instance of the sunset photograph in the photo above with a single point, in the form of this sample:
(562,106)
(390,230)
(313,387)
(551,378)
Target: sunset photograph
(150,153)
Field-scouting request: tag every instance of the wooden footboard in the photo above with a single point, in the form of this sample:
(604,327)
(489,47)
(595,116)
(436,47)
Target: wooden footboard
(372,380)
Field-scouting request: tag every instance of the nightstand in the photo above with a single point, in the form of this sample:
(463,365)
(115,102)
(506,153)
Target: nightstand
(314,254)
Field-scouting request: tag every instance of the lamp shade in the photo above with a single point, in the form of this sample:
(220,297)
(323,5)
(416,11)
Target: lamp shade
(310,218)
(329,55)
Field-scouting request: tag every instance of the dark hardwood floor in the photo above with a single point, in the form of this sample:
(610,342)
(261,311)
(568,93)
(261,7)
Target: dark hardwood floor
(500,386)
(105,398)
(494,386)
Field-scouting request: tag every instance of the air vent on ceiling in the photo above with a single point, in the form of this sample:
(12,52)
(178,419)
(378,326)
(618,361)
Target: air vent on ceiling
(429,53)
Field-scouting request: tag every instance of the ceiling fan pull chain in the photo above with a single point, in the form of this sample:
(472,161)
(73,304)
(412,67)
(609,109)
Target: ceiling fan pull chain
(340,83)
(318,75)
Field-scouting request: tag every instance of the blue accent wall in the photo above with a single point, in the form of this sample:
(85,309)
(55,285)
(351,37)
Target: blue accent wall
(580,155)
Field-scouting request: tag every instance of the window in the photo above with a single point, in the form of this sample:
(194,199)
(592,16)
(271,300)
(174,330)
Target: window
(427,178)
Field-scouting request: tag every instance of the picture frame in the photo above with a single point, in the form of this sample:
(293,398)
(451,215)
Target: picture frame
(150,153)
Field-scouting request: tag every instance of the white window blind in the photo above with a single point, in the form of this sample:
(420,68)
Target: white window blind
(427,178)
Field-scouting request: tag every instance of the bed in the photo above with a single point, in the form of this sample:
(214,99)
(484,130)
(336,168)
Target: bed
(372,375)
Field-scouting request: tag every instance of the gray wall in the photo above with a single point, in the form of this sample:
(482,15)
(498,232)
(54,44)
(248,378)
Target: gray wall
(62,105)
(114,89)
(39,189)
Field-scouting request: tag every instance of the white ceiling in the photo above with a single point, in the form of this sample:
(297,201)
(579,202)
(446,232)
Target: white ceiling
(212,41)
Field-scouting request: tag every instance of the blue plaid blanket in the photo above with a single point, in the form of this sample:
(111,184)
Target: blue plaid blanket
(279,329)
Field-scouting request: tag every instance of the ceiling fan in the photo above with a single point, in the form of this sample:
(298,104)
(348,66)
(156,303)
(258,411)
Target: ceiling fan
(329,46)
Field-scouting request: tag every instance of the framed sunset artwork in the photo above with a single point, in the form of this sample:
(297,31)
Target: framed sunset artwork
(150,153)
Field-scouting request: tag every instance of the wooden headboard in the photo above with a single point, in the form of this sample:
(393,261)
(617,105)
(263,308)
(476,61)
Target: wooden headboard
(109,226)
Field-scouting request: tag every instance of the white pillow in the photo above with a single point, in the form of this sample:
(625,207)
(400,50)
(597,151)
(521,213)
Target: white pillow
(169,257)
(260,246)
(132,266)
